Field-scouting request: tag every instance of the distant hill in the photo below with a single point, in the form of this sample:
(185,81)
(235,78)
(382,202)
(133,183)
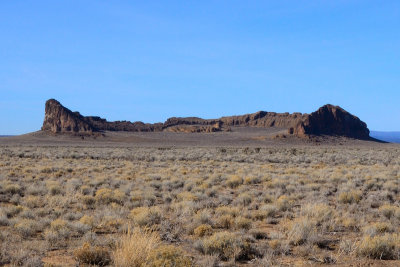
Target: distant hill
(392,137)
(328,120)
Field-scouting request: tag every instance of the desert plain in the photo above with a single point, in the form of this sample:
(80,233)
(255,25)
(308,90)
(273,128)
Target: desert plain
(238,198)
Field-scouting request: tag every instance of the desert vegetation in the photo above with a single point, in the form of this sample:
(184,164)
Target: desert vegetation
(213,206)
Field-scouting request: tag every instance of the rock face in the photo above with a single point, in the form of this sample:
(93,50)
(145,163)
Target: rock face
(265,119)
(60,119)
(332,120)
(328,120)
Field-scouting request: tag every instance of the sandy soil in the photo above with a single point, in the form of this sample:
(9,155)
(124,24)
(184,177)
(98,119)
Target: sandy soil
(238,137)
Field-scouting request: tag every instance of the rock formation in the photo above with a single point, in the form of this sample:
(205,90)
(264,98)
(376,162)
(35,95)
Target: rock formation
(60,119)
(328,120)
(332,120)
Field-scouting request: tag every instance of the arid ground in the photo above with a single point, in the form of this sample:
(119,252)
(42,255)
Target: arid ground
(242,198)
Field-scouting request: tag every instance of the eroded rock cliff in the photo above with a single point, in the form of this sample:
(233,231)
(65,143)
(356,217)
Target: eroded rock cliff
(327,120)
(58,118)
(332,120)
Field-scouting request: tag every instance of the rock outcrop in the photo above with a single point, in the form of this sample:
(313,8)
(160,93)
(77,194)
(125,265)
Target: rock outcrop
(328,120)
(60,119)
(332,120)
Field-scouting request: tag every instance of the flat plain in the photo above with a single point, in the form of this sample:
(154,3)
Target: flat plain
(242,198)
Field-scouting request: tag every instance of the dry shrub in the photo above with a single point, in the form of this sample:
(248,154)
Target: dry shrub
(225,221)
(203,230)
(34,202)
(258,234)
(350,197)
(243,223)
(347,246)
(386,247)
(244,199)
(54,187)
(12,189)
(168,256)
(207,261)
(318,212)
(388,210)
(203,217)
(301,230)
(3,219)
(58,232)
(118,196)
(252,180)
(111,223)
(274,244)
(85,190)
(265,211)
(347,222)
(144,216)
(133,248)
(12,211)
(234,181)
(228,246)
(58,224)
(26,227)
(93,255)
(283,203)
(222,244)
(377,228)
(186,196)
(227,210)
(88,200)
(88,220)
(106,196)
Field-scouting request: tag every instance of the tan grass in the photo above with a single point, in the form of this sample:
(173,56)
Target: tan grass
(133,248)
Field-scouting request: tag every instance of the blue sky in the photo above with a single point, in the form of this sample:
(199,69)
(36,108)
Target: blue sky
(150,60)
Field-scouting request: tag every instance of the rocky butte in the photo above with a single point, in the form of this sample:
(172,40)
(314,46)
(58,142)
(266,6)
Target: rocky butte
(327,120)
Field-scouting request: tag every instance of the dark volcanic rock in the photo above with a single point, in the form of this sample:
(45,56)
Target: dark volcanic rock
(258,119)
(265,119)
(328,120)
(60,119)
(332,120)
(138,126)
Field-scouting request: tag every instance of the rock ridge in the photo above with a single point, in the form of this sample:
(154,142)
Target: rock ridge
(327,120)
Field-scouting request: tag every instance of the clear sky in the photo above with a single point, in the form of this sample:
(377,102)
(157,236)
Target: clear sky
(150,60)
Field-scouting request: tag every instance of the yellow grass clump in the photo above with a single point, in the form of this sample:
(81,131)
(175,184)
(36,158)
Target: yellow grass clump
(134,248)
